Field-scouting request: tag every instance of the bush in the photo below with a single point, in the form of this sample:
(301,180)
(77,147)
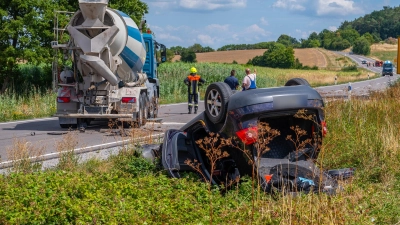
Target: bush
(351,68)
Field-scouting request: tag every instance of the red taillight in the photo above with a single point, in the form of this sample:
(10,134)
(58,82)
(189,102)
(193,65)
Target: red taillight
(63,99)
(128,100)
(324,128)
(248,135)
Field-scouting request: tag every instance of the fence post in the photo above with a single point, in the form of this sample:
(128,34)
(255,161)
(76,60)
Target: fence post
(349,89)
(335,80)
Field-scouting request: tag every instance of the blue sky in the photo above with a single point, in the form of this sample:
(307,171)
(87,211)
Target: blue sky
(216,23)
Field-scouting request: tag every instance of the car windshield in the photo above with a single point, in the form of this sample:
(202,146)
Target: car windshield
(387,65)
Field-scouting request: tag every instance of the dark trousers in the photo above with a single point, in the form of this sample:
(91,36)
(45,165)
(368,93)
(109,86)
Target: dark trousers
(193,98)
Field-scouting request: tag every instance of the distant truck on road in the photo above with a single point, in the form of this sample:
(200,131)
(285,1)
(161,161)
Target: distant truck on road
(387,68)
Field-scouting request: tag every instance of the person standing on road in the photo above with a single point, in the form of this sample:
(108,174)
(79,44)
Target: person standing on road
(193,81)
(249,81)
(232,81)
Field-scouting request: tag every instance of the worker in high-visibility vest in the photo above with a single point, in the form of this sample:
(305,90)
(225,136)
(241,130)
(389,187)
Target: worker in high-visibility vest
(193,81)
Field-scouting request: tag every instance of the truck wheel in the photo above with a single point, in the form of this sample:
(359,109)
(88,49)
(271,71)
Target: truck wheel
(155,102)
(216,101)
(145,108)
(297,81)
(139,115)
(151,109)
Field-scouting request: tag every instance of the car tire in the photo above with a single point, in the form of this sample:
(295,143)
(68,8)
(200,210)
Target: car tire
(216,101)
(297,81)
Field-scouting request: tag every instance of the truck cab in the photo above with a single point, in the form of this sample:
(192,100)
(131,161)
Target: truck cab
(151,63)
(387,68)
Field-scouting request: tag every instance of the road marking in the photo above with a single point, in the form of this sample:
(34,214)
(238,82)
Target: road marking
(26,121)
(172,123)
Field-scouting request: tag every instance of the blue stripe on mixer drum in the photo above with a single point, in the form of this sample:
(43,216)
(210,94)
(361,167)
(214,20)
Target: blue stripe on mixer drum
(135,34)
(132,59)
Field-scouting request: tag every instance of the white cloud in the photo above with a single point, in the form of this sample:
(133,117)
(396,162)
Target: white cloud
(263,21)
(337,7)
(212,4)
(218,27)
(295,5)
(198,4)
(169,37)
(206,39)
(320,7)
(255,29)
(332,28)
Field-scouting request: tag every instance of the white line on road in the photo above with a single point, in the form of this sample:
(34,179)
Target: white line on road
(172,123)
(27,121)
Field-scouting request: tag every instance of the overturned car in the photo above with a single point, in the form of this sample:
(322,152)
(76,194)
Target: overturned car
(274,134)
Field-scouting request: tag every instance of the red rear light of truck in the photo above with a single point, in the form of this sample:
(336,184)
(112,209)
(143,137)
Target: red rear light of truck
(63,99)
(248,135)
(128,100)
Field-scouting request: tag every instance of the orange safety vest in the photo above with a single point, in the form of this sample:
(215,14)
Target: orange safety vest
(194,78)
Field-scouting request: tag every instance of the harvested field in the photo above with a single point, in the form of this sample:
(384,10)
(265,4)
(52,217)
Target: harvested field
(308,57)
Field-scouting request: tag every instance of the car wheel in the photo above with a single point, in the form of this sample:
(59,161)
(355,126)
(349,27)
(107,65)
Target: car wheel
(216,101)
(297,81)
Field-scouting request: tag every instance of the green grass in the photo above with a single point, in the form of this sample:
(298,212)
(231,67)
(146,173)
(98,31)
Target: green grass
(32,105)
(385,55)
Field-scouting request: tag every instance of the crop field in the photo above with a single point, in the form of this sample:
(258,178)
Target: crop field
(308,56)
(384,52)
(173,90)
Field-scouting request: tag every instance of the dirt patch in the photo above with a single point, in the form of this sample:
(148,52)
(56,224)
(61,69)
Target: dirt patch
(308,57)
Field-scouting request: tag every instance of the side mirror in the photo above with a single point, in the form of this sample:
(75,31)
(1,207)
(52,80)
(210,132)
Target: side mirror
(163,52)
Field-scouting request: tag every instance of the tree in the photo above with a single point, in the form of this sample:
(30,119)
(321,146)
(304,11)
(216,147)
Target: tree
(188,56)
(196,48)
(286,40)
(177,49)
(349,34)
(27,31)
(279,56)
(25,35)
(362,46)
(170,55)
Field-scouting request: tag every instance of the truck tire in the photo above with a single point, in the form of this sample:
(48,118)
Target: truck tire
(139,116)
(297,81)
(216,101)
(145,107)
(155,102)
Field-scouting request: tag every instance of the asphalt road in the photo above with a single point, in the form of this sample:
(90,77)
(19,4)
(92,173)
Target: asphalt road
(45,136)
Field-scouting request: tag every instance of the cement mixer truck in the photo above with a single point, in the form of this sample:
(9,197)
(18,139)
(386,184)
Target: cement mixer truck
(107,69)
